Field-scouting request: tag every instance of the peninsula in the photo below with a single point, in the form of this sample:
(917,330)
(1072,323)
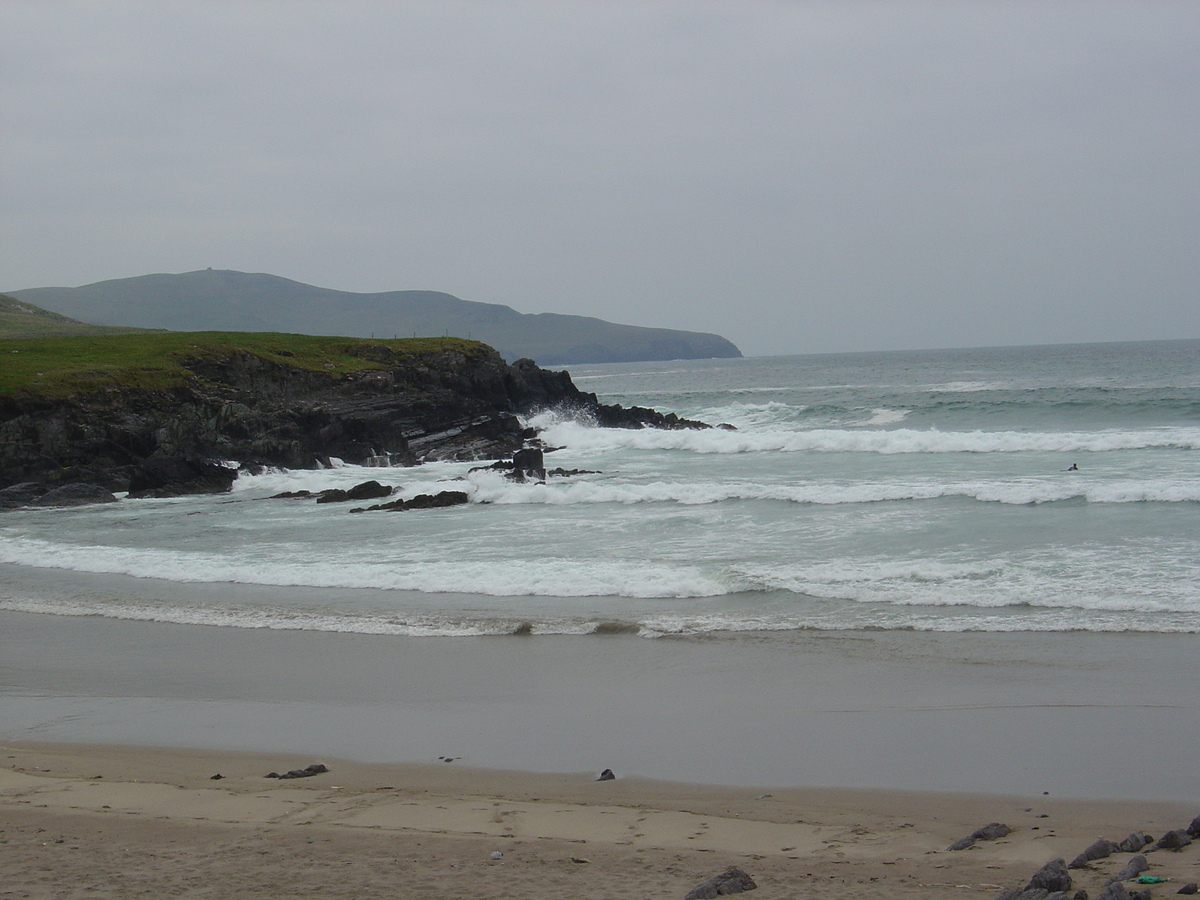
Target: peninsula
(174,412)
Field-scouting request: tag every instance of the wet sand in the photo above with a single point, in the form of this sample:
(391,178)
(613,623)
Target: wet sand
(92,820)
(1077,714)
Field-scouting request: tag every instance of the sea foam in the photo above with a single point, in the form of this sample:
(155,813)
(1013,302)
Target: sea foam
(901,440)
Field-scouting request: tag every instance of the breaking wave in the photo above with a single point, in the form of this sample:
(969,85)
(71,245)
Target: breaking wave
(901,440)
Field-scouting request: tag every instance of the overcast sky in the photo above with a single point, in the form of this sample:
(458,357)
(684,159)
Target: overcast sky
(798,177)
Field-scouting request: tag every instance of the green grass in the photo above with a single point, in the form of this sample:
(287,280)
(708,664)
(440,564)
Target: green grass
(19,319)
(61,366)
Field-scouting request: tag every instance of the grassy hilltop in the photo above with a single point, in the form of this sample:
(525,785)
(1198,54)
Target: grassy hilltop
(21,319)
(56,367)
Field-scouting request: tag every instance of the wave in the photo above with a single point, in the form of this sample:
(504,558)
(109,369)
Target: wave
(493,489)
(1162,580)
(492,577)
(575,436)
(706,625)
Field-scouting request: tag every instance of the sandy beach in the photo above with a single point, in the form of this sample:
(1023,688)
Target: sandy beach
(89,820)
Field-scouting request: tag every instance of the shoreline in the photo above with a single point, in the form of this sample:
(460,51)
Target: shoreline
(94,816)
(1077,715)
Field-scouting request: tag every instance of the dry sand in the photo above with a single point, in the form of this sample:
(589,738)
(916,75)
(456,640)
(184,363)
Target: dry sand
(101,821)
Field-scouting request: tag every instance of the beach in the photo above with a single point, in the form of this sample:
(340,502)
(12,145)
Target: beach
(93,820)
(886,600)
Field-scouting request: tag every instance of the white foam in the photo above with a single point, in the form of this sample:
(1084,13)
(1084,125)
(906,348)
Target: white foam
(499,577)
(901,440)
(1081,580)
(870,617)
(491,487)
(884,416)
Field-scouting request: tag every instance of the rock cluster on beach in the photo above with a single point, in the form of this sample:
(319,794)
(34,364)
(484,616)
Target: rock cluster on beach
(1053,881)
(245,411)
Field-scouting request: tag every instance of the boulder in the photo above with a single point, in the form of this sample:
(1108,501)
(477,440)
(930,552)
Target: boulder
(1133,869)
(306,772)
(1096,850)
(175,476)
(1118,891)
(368,490)
(528,463)
(990,832)
(1194,828)
(606,775)
(1134,842)
(1051,877)
(1189,888)
(16,495)
(1173,840)
(732,881)
(75,495)
(421,501)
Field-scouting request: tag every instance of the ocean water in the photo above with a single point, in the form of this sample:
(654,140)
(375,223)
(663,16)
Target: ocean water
(922,491)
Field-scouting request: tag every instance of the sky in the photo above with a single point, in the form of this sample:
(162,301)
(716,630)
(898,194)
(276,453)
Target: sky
(799,177)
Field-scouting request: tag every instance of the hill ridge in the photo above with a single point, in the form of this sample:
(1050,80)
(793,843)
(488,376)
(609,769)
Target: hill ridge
(230,300)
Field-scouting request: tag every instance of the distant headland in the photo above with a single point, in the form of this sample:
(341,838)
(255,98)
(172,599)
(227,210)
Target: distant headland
(225,300)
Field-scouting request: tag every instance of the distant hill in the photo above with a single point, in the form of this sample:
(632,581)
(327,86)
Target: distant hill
(20,319)
(224,300)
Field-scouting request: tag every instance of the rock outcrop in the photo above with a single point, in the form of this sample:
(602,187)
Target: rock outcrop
(234,408)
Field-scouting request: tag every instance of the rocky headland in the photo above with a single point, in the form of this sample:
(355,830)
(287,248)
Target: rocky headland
(171,414)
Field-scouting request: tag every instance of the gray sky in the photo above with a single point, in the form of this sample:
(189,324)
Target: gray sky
(798,177)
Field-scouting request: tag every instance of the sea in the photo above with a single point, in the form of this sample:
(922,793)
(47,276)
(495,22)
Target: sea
(969,569)
(1052,488)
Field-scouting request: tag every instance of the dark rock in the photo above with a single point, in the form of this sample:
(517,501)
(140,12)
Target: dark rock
(1134,843)
(1118,891)
(528,463)
(438,500)
(1193,829)
(368,490)
(732,881)
(454,401)
(17,495)
(216,777)
(1174,840)
(292,495)
(177,476)
(75,495)
(1133,869)
(641,417)
(991,832)
(1189,888)
(421,501)
(606,775)
(569,473)
(1099,849)
(306,772)
(1053,876)
(1080,895)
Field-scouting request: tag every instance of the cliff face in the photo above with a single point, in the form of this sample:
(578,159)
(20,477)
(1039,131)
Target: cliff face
(451,400)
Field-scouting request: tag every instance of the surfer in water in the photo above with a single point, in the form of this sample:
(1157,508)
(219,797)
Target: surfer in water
(1074,467)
